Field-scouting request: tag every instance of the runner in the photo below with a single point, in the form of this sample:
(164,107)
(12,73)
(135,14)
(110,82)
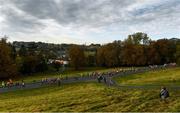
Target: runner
(98,78)
(104,78)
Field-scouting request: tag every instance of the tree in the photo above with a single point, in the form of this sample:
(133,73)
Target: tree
(112,55)
(91,60)
(138,38)
(128,54)
(153,56)
(29,64)
(178,53)
(33,63)
(7,67)
(13,53)
(42,63)
(109,55)
(57,65)
(77,56)
(100,58)
(164,48)
(140,57)
(23,51)
(134,50)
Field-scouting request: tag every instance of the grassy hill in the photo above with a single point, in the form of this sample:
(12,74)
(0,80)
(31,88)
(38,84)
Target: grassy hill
(98,97)
(87,97)
(161,77)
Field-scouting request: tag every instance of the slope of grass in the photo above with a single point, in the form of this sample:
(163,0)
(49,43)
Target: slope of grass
(161,77)
(87,97)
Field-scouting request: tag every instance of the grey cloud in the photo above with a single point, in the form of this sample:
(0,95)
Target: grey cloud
(18,21)
(22,23)
(164,10)
(38,8)
(80,12)
(87,13)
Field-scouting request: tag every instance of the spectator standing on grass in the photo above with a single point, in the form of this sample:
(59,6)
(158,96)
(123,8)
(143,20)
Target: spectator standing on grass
(3,84)
(17,84)
(42,81)
(23,84)
(59,81)
(98,79)
(110,82)
(164,93)
(104,78)
(8,84)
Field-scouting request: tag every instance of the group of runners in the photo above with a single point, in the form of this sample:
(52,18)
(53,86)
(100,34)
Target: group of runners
(58,80)
(10,84)
(51,81)
(100,76)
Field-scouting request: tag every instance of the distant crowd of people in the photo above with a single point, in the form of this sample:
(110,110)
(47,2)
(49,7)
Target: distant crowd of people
(163,66)
(100,76)
(51,81)
(58,80)
(10,83)
(93,75)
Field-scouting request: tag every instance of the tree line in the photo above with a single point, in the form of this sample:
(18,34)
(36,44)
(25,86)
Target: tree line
(136,50)
(13,63)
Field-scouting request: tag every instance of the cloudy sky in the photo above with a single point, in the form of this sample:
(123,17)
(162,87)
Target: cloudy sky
(86,21)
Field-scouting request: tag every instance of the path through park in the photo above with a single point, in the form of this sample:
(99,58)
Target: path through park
(109,82)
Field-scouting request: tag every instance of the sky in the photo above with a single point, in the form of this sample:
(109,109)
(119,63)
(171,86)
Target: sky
(88,21)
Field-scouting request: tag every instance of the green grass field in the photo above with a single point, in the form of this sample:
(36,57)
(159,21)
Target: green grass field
(87,97)
(91,96)
(160,77)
